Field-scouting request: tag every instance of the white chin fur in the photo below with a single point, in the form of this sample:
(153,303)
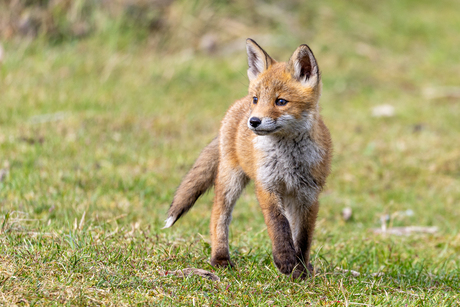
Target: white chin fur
(169,222)
(264,132)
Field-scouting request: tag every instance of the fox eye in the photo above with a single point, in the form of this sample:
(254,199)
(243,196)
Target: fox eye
(254,100)
(281,102)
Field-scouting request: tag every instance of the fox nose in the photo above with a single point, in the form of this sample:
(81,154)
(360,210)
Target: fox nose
(255,122)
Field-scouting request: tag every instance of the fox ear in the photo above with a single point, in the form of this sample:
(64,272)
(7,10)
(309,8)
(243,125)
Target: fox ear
(303,66)
(258,59)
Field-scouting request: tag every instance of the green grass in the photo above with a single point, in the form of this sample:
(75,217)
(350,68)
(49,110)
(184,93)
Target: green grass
(85,190)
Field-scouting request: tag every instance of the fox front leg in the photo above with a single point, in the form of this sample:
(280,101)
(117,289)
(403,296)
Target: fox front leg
(284,252)
(302,221)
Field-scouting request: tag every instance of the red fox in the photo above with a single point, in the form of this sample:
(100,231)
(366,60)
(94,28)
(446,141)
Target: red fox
(276,137)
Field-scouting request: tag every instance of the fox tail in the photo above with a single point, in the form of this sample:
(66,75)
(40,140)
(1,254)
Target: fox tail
(197,181)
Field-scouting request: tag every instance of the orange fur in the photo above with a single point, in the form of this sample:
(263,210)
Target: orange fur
(276,137)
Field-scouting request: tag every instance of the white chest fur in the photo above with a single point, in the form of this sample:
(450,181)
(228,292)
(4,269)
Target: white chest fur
(285,168)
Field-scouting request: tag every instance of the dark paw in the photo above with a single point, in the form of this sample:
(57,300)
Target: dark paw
(311,269)
(285,263)
(221,262)
(300,272)
(288,264)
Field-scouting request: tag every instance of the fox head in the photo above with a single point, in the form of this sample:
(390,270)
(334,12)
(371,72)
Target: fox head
(284,95)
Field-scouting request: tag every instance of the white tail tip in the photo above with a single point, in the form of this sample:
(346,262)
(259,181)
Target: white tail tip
(169,222)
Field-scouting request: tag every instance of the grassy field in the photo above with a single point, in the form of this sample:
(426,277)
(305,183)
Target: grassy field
(96,134)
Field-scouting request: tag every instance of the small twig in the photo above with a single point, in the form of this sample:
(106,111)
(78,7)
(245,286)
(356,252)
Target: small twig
(112,233)
(401,291)
(442,92)
(94,300)
(406,230)
(116,218)
(33,233)
(45,118)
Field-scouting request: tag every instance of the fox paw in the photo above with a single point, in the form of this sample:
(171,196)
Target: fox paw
(302,272)
(290,265)
(311,269)
(221,262)
(286,263)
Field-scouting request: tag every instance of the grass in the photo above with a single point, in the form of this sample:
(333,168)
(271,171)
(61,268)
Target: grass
(96,134)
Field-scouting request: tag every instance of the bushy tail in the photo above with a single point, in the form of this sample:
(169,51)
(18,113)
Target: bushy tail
(198,180)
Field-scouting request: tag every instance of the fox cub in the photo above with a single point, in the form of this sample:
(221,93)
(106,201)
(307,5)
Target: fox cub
(276,137)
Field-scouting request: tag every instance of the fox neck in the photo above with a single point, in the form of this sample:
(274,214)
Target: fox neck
(286,164)
(302,142)
(287,160)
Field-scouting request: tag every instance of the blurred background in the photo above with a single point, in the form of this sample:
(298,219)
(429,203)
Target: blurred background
(120,97)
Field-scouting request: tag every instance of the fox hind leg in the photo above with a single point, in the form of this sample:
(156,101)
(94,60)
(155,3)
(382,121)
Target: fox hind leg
(230,182)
